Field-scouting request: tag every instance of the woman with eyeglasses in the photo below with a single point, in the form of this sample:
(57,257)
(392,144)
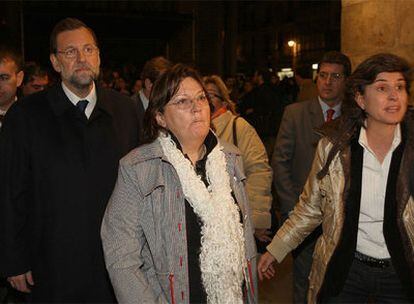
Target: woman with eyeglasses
(361,190)
(234,129)
(177,227)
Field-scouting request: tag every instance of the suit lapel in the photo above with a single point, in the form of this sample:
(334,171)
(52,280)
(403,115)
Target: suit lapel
(58,100)
(316,120)
(316,113)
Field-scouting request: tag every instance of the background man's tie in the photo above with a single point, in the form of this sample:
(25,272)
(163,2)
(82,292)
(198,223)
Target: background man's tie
(329,115)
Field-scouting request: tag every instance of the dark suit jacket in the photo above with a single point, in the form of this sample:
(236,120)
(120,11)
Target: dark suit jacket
(294,151)
(138,99)
(57,173)
(267,107)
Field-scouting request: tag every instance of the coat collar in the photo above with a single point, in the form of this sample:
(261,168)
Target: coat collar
(154,177)
(154,150)
(104,101)
(60,103)
(58,100)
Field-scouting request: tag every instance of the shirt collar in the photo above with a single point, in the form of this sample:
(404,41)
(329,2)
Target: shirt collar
(325,108)
(144,99)
(363,141)
(209,142)
(91,98)
(4,112)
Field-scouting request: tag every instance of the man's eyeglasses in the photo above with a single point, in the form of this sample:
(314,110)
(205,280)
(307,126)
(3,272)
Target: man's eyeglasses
(333,76)
(187,103)
(87,50)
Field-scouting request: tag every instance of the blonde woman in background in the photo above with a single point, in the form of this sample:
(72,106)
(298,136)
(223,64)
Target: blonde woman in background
(233,129)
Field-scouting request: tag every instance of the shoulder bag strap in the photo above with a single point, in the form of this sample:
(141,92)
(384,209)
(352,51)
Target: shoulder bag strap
(235,131)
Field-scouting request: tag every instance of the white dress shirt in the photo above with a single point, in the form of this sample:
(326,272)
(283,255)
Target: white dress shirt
(371,239)
(325,109)
(91,98)
(144,99)
(4,112)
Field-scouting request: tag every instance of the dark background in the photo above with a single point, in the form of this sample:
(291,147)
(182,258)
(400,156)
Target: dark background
(224,37)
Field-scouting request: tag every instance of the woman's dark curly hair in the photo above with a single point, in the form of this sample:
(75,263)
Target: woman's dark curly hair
(353,117)
(165,87)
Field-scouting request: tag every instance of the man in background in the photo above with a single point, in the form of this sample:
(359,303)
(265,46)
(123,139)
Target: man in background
(11,77)
(307,88)
(35,79)
(152,69)
(295,149)
(263,108)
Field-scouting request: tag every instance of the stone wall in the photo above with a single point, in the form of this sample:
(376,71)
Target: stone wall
(373,26)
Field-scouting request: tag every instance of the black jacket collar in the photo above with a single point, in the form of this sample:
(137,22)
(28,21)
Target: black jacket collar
(60,103)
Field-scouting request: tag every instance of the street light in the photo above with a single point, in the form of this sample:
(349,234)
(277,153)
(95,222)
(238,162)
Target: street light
(292,44)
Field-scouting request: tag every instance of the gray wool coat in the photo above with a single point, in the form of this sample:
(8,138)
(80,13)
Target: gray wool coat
(144,229)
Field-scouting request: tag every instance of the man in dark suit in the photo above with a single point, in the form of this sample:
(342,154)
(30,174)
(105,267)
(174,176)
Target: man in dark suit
(295,149)
(11,76)
(59,153)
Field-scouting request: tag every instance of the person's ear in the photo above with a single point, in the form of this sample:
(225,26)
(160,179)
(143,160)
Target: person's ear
(360,100)
(161,120)
(19,77)
(55,63)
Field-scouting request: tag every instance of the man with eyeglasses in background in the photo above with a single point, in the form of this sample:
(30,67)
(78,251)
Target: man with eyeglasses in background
(295,149)
(59,153)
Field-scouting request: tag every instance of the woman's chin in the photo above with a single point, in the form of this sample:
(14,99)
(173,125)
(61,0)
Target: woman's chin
(201,132)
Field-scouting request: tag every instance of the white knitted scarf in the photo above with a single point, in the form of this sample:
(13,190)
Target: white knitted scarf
(222,256)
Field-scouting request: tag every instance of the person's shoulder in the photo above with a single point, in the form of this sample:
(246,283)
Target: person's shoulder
(121,105)
(302,105)
(233,157)
(407,126)
(228,148)
(35,99)
(115,96)
(143,153)
(326,142)
(36,102)
(243,124)
(301,108)
(409,117)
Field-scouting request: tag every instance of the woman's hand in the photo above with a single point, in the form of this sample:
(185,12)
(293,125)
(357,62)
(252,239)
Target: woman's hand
(22,282)
(265,268)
